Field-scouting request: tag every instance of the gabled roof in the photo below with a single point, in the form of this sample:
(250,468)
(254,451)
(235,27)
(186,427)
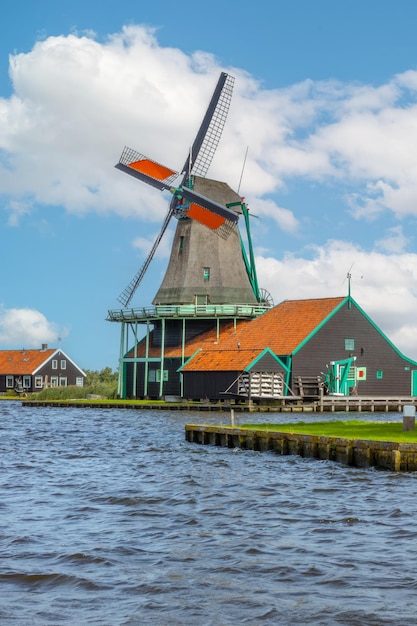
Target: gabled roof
(220,360)
(23,362)
(225,360)
(282,329)
(28,362)
(208,339)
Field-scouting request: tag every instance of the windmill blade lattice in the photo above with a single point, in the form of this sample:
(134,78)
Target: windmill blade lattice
(208,136)
(146,170)
(127,293)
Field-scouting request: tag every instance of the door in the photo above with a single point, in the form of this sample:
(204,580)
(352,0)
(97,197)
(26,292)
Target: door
(341,377)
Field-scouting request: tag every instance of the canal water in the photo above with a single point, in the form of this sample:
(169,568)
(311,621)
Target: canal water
(109,517)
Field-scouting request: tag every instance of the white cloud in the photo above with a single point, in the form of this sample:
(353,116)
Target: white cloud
(395,241)
(284,218)
(144,244)
(77,102)
(27,328)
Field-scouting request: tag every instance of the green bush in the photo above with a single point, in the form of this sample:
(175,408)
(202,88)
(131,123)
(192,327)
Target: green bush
(98,383)
(72,392)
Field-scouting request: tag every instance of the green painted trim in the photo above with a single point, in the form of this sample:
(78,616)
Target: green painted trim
(246,262)
(121,377)
(383,335)
(142,359)
(289,372)
(255,285)
(124,381)
(189,359)
(320,326)
(262,354)
(250,265)
(350,301)
(345,373)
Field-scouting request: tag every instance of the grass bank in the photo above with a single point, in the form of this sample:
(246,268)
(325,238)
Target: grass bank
(350,429)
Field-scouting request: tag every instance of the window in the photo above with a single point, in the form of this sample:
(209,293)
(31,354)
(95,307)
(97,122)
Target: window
(26,382)
(79,381)
(349,344)
(54,364)
(158,375)
(38,382)
(62,381)
(151,376)
(379,374)
(361,373)
(54,381)
(9,382)
(206,273)
(63,364)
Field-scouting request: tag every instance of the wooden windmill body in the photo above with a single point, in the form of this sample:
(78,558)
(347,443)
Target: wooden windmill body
(204,268)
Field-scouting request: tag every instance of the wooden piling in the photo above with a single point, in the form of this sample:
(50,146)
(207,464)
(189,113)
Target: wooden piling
(386,455)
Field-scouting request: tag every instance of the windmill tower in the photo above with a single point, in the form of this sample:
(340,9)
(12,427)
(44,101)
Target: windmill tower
(210,278)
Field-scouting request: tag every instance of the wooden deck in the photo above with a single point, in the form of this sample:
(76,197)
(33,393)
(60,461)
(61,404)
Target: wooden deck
(284,405)
(362,403)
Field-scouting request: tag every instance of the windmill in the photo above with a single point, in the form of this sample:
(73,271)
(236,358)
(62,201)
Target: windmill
(206,262)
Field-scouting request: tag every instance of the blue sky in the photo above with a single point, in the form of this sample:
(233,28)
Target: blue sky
(325,102)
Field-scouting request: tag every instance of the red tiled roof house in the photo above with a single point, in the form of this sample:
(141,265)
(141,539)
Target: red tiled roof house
(32,370)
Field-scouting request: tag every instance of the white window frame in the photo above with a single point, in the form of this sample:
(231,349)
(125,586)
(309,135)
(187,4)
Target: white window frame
(27,382)
(63,381)
(63,364)
(54,381)
(9,382)
(38,382)
(79,381)
(54,364)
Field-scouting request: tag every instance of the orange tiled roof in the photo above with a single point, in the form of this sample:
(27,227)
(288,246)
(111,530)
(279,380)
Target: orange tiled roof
(21,362)
(208,339)
(222,360)
(282,329)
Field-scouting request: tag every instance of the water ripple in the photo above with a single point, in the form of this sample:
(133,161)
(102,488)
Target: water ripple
(110,518)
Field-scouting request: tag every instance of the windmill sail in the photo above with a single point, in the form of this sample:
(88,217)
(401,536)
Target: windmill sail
(185,202)
(208,212)
(146,170)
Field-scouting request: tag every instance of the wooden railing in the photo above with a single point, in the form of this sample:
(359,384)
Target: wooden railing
(187,311)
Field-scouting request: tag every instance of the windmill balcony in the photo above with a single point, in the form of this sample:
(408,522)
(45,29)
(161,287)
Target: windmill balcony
(187,310)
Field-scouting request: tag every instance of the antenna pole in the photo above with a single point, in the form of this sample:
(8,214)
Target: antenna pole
(243,168)
(349,276)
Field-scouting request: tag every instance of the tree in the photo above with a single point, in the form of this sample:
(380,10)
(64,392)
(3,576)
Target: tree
(106,375)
